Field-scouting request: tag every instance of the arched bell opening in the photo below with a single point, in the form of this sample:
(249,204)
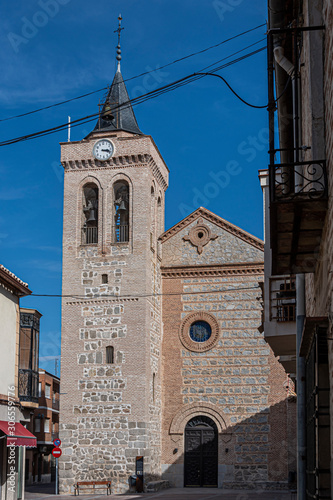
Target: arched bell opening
(90,214)
(121,212)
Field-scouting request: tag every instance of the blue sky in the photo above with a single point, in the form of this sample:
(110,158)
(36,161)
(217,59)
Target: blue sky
(213,144)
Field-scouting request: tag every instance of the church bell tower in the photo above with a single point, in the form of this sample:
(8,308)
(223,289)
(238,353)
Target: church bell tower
(114,190)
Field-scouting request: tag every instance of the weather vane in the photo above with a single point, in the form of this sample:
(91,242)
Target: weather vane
(118,57)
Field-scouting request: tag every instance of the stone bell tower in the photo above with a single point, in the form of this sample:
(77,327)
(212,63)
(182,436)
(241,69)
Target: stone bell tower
(115,182)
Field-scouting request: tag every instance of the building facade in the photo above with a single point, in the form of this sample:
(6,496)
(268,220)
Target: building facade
(40,464)
(161,353)
(18,385)
(298,219)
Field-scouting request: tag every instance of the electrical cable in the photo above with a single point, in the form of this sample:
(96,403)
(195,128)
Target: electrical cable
(101,297)
(233,91)
(134,77)
(138,100)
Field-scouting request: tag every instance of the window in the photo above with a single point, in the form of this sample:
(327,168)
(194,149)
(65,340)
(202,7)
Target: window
(40,389)
(109,354)
(154,377)
(121,207)
(37,424)
(47,391)
(105,278)
(200,331)
(47,425)
(90,214)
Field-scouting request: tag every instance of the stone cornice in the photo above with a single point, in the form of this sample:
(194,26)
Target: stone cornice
(137,161)
(99,301)
(218,221)
(256,268)
(12,283)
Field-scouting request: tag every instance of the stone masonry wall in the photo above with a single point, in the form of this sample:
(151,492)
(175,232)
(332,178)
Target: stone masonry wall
(238,381)
(108,412)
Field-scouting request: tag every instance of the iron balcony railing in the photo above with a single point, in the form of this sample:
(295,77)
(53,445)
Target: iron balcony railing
(55,404)
(305,180)
(89,235)
(28,385)
(121,233)
(283,299)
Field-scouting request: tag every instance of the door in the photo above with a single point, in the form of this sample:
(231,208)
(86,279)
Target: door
(201,455)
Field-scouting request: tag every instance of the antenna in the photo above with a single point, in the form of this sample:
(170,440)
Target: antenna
(69,129)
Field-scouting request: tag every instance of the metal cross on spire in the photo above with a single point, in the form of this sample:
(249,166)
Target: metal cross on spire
(118,57)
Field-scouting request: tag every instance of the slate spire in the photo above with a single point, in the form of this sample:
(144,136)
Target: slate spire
(117,112)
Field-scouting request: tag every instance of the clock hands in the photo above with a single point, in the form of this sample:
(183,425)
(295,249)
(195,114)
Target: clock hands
(107,150)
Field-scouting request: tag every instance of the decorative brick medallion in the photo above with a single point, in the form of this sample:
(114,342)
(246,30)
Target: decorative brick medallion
(184,333)
(200,235)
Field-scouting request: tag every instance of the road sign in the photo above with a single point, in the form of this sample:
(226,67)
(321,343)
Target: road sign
(57,443)
(56,452)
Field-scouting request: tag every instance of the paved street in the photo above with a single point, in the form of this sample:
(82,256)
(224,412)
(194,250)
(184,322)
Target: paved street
(44,492)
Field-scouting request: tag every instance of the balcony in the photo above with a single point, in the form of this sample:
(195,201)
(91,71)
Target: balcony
(89,235)
(28,386)
(280,330)
(121,233)
(298,205)
(55,404)
(283,299)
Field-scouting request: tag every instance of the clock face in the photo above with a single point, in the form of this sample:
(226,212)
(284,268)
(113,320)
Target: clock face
(103,149)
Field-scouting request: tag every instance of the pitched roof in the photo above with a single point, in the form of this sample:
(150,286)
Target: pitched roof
(215,219)
(13,282)
(122,111)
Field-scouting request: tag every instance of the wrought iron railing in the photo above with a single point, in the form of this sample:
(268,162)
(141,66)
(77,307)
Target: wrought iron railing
(89,235)
(55,404)
(296,181)
(28,385)
(283,299)
(121,233)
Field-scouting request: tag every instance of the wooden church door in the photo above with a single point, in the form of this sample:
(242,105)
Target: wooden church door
(201,453)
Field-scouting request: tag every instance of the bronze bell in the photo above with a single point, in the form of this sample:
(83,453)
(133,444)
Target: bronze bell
(122,205)
(92,217)
(107,113)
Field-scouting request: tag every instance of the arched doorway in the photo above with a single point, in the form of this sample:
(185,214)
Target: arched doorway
(201,453)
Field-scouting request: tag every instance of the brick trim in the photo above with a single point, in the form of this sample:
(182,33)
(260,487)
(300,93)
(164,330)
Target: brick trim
(137,161)
(195,409)
(92,301)
(199,271)
(218,221)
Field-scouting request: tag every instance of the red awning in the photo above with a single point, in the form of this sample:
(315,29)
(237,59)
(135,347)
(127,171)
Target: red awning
(17,434)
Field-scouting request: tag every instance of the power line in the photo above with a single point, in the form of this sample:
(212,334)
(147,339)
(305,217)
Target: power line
(101,297)
(134,77)
(138,100)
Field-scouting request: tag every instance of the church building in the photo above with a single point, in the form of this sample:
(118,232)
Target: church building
(161,353)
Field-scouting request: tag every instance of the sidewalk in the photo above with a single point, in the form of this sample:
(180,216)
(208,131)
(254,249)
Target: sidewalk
(46,492)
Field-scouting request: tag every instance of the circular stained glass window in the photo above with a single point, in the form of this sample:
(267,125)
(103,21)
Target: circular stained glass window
(200,331)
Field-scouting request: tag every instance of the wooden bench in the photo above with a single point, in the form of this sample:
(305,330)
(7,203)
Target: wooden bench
(92,485)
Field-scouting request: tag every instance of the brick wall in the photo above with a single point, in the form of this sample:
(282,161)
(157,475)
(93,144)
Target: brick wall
(109,414)
(238,382)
